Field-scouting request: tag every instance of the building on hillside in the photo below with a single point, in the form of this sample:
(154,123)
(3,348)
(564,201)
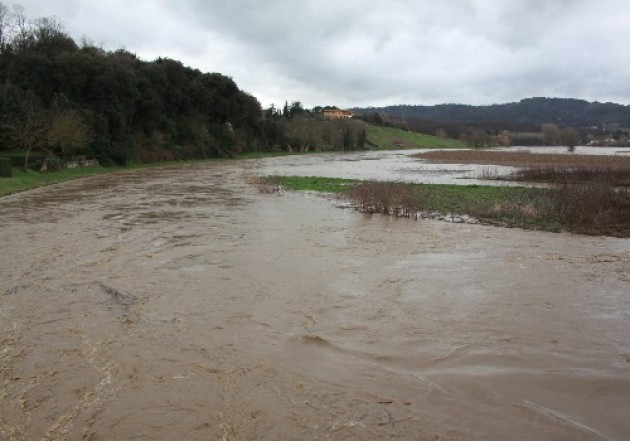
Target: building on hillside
(338,113)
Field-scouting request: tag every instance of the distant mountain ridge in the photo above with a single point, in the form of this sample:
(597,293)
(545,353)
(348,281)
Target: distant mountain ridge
(529,112)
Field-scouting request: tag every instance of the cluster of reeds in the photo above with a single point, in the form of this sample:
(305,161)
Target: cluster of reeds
(614,175)
(587,199)
(265,185)
(523,159)
(592,208)
(394,198)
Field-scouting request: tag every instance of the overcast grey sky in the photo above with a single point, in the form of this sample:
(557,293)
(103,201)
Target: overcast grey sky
(374,52)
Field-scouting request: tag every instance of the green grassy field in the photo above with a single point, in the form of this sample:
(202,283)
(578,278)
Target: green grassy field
(387,138)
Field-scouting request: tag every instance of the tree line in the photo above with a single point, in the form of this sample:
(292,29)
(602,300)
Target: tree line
(523,121)
(529,112)
(63,97)
(295,128)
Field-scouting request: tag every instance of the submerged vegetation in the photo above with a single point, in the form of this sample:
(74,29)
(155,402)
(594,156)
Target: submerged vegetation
(593,208)
(613,175)
(523,159)
(549,168)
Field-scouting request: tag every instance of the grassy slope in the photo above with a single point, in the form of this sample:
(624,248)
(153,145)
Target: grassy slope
(386,138)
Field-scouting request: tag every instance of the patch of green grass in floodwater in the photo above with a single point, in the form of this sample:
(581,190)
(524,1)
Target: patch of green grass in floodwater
(435,197)
(589,209)
(326,185)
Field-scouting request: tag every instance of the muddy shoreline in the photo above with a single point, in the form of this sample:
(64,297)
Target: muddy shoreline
(182,303)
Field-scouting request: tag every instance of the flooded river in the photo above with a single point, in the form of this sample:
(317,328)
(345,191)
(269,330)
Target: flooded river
(182,304)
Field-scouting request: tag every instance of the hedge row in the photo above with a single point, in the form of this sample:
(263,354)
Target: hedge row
(18,160)
(5,168)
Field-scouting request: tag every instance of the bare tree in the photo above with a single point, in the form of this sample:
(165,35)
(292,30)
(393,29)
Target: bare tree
(569,137)
(304,132)
(4,25)
(19,31)
(551,134)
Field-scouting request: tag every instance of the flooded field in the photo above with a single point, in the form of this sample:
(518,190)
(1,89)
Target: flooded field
(182,304)
(401,166)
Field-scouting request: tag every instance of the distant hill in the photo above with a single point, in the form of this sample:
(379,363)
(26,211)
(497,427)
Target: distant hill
(527,114)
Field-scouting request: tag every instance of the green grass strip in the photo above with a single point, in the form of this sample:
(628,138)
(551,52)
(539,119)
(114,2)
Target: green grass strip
(313,183)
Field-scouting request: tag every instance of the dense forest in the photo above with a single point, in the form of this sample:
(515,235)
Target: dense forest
(523,120)
(527,112)
(61,97)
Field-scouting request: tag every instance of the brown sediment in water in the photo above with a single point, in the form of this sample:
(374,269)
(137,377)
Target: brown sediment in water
(185,304)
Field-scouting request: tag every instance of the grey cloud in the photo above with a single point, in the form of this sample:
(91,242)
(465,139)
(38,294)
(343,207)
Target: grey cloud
(376,52)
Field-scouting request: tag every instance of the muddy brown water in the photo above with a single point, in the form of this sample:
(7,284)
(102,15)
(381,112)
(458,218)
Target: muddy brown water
(182,304)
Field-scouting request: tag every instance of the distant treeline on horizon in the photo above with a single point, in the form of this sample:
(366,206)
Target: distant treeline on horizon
(591,119)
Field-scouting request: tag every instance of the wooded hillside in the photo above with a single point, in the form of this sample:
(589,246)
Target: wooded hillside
(66,98)
(63,97)
(599,120)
